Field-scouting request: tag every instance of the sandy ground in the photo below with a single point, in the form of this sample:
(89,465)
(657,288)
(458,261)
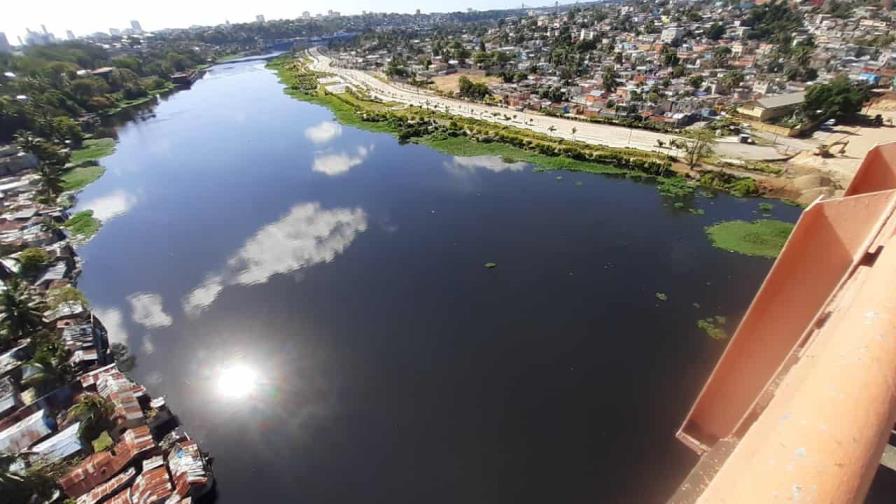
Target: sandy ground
(449,83)
(861,140)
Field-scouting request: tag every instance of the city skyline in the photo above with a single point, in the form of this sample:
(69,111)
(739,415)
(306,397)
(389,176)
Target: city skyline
(101,15)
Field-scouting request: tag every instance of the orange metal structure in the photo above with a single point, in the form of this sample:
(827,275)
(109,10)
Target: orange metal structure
(800,405)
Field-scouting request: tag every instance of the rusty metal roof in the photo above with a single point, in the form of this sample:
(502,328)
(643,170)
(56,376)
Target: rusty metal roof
(188,467)
(99,467)
(151,487)
(108,488)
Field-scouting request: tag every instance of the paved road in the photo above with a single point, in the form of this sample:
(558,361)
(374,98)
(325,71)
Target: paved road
(597,134)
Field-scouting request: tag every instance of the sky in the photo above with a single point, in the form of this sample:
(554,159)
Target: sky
(89,16)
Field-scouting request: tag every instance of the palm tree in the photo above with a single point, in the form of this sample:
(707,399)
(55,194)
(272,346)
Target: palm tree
(49,367)
(21,311)
(50,182)
(95,414)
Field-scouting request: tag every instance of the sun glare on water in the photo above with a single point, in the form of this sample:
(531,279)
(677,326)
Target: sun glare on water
(237,381)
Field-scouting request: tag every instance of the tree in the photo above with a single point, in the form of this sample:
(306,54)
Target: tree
(21,311)
(716,31)
(609,78)
(696,81)
(697,146)
(49,368)
(838,99)
(32,259)
(472,90)
(29,485)
(732,80)
(95,414)
(49,182)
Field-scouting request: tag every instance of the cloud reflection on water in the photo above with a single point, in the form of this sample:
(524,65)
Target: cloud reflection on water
(111,205)
(113,320)
(332,163)
(323,132)
(490,163)
(148,311)
(306,235)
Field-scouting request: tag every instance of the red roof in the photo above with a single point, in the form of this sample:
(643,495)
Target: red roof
(100,467)
(101,492)
(151,486)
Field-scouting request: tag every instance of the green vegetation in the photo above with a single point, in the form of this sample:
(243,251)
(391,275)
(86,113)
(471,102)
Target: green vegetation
(460,136)
(79,177)
(60,295)
(714,327)
(675,188)
(465,147)
(763,238)
(472,90)
(103,442)
(839,99)
(93,150)
(83,224)
(32,260)
(766,208)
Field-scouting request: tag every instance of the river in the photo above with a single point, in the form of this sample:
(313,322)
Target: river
(312,301)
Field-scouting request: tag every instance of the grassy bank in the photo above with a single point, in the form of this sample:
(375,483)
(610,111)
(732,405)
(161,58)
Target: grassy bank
(462,136)
(92,150)
(77,178)
(83,224)
(763,238)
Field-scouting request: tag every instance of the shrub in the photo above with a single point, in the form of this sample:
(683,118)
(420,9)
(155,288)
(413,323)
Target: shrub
(32,259)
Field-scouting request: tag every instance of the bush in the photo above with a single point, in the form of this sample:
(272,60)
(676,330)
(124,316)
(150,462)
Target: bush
(33,259)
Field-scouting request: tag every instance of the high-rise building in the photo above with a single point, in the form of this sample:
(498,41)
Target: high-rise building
(4,44)
(306,15)
(69,35)
(259,18)
(135,25)
(38,38)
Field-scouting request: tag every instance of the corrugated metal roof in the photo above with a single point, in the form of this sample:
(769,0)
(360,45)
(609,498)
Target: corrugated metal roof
(65,310)
(151,487)
(188,467)
(99,467)
(113,485)
(782,100)
(24,434)
(7,395)
(60,445)
(12,359)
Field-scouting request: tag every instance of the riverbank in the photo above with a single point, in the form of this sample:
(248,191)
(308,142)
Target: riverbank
(75,424)
(465,136)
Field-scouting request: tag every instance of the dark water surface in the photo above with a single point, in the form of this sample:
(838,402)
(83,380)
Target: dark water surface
(312,301)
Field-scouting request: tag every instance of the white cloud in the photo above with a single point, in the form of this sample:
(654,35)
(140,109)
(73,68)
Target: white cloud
(323,132)
(147,310)
(305,236)
(490,163)
(112,205)
(339,163)
(147,347)
(113,320)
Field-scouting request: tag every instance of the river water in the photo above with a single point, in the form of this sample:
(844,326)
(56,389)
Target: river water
(312,301)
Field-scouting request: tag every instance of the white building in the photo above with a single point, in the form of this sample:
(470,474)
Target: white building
(671,34)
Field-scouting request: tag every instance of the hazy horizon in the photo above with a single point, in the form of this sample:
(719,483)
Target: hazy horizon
(100,15)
